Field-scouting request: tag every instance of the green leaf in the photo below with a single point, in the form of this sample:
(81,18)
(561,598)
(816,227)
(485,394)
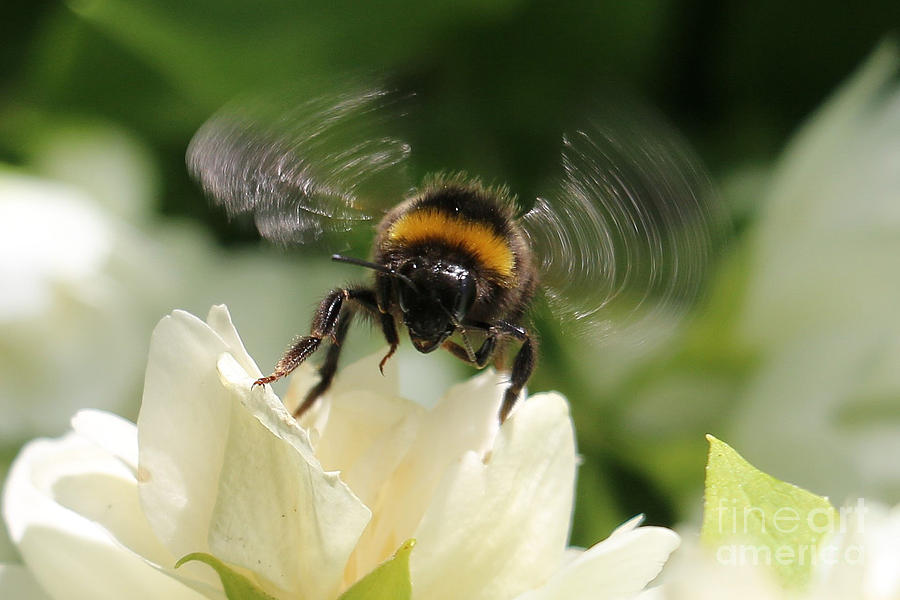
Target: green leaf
(390,581)
(237,586)
(752,518)
(238,43)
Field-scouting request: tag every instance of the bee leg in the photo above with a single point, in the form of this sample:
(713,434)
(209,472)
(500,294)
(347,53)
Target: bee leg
(482,356)
(323,326)
(389,328)
(523,365)
(457,351)
(334,322)
(329,366)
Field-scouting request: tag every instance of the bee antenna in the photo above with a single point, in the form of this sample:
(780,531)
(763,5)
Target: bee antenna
(375,267)
(360,263)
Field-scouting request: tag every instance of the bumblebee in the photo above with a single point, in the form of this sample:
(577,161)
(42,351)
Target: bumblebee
(622,237)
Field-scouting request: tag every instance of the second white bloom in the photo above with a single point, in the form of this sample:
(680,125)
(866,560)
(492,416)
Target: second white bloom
(218,466)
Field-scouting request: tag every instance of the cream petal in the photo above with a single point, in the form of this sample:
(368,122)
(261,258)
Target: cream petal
(364,374)
(464,420)
(369,470)
(618,567)
(653,593)
(110,499)
(883,545)
(182,428)
(278,512)
(629,525)
(110,432)
(219,320)
(498,528)
(695,573)
(367,478)
(73,555)
(363,406)
(861,559)
(17,583)
(367,434)
(83,478)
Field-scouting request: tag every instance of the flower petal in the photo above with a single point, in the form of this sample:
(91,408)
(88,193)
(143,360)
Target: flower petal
(366,433)
(111,433)
(497,528)
(695,573)
(182,429)
(365,375)
(363,406)
(17,583)
(618,567)
(464,420)
(74,540)
(278,512)
(219,320)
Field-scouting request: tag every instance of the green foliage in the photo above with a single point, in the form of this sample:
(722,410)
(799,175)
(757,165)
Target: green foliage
(500,80)
(749,515)
(389,581)
(237,586)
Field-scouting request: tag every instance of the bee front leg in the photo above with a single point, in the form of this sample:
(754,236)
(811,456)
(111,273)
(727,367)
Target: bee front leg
(323,325)
(329,366)
(358,299)
(482,356)
(389,329)
(523,366)
(380,307)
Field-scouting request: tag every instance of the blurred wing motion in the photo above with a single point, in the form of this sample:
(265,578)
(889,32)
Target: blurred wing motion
(625,239)
(314,169)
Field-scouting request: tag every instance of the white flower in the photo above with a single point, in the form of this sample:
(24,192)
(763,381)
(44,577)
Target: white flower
(795,359)
(77,286)
(861,562)
(822,297)
(215,465)
(81,288)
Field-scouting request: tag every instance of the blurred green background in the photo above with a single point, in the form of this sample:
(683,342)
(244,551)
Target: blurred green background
(104,95)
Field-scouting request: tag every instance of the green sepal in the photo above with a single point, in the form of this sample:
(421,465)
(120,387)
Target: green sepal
(236,585)
(389,581)
(750,517)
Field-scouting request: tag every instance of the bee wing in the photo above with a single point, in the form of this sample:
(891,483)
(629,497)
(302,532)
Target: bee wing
(306,171)
(626,237)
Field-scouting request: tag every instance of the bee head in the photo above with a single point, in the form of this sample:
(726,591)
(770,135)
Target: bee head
(434,298)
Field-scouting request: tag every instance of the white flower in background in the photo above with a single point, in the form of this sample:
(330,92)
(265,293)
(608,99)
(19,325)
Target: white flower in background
(77,289)
(796,360)
(115,168)
(86,272)
(822,297)
(215,465)
(860,563)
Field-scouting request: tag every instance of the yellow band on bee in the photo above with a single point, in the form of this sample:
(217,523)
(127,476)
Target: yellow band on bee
(478,239)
